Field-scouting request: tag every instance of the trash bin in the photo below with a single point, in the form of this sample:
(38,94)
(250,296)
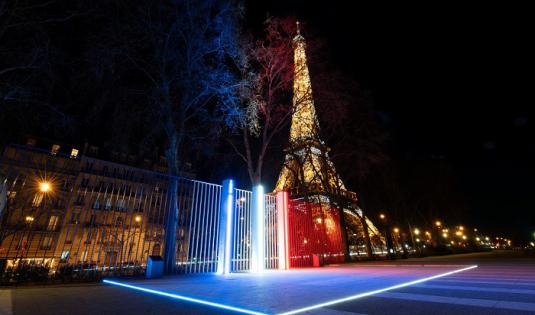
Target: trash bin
(154,267)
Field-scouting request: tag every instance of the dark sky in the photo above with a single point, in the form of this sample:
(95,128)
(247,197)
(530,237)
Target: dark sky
(454,82)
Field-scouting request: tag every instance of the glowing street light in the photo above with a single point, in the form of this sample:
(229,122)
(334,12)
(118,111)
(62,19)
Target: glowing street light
(461,228)
(138,218)
(438,223)
(445,235)
(44,187)
(464,237)
(396,230)
(416,232)
(382,216)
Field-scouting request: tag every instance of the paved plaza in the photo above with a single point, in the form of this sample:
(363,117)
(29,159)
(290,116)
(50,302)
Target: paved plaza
(503,283)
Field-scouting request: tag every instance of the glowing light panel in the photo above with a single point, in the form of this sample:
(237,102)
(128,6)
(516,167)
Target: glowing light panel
(184,298)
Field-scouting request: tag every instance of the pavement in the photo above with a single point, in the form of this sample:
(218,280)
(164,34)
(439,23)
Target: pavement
(503,283)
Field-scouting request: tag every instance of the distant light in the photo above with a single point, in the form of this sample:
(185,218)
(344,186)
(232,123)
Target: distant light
(382,216)
(74,153)
(418,240)
(416,231)
(138,218)
(44,187)
(487,238)
(445,235)
(396,230)
(478,239)
(458,233)
(29,219)
(438,223)
(464,237)
(461,228)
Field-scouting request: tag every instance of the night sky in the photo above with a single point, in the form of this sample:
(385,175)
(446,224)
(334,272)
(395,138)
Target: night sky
(451,83)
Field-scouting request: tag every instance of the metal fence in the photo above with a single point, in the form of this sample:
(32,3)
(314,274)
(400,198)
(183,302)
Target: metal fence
(70,218)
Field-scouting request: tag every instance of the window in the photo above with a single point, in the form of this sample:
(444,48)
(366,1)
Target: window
(69,238)
(23,242)
(55,149)
(75,218)
(80,199)
(52,223)
(47,243)
(85,182)
(64,255)
(96,204)
(37,200)
(108,203)
(84,255)
(11,195)
(92,220)
(74,153)
(121,204)
(119,221)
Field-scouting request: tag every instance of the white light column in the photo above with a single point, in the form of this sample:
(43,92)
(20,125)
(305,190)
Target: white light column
(228,197)
(257,229)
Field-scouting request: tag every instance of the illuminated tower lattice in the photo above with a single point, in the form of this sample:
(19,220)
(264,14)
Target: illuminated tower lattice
(308,171)
(307,164)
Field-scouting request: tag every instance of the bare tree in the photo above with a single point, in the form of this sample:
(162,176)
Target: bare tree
(186,56)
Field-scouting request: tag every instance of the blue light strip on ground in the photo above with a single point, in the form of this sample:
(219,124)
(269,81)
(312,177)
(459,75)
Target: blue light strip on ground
(361,295)
(184,298)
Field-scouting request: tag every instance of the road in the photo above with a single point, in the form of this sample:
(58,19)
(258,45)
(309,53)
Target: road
(504,283)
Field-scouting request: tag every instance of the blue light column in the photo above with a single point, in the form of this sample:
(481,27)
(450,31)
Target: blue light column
(228,197)
(257,229)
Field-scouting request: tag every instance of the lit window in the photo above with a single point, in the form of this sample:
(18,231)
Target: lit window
(37,200)
(74,153)
(55,149)
(52,223)
(11,194)
(64,255)
(47,242)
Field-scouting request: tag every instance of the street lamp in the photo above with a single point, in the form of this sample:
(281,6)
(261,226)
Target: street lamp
(396,230)
(416,232)
(44,187)
(438,223)
(382,216)
(138,218)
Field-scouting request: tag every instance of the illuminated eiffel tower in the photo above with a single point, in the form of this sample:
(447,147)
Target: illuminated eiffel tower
(307,165)
(308,170)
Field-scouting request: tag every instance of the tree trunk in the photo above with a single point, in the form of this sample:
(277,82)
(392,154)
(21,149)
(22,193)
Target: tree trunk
(172,216)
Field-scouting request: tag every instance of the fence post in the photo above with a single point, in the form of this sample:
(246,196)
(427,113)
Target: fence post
(226,209)
(257,229)
(282,229)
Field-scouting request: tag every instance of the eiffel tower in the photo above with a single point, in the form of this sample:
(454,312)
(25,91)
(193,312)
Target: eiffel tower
(307,165)
(308,170)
